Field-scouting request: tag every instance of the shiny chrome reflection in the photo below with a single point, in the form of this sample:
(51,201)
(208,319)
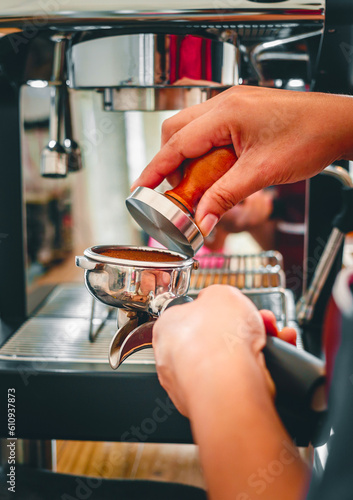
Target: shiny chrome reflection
(71,146)
(149,71)
(177,10)
(54,158)
(135,285)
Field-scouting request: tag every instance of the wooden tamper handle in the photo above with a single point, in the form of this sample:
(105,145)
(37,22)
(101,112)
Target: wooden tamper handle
(199,175)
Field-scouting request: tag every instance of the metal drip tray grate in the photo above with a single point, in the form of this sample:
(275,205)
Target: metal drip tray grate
(64,340)
(262,270)
(71,301)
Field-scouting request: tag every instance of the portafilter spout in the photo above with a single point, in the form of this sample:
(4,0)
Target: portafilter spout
(169,217)
(136,335)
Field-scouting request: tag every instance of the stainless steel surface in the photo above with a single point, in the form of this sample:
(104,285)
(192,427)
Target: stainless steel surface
(170,72)
(157,99)
(71,301)
(71,146)
(64,340)
(118,340)
(130,339)
(149,71)
(54,158)
(157,10)
(266,52)
(306,304)
(141,60)
(252,271)
(165,221)
(130,46)
(134,285)
(339,173)
(94,330)
(59,333)
(147,61)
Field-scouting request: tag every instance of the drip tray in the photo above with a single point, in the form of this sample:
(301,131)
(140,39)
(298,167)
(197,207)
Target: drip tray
(64,340)
(59,331)
(71,301)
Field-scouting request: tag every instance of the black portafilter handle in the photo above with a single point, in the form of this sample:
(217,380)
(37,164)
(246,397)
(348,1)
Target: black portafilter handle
(299,377)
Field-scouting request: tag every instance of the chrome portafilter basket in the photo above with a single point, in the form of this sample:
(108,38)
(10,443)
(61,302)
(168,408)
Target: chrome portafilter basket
(141,282)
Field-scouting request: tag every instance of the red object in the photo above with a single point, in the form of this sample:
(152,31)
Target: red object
(270,323)
(331,337)
(287,334)
(185,60)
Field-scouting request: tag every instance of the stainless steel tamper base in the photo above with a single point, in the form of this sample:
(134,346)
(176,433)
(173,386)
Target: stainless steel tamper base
(165,221)
(54,161)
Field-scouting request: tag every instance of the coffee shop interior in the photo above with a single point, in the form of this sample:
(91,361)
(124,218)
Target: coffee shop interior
(84,94)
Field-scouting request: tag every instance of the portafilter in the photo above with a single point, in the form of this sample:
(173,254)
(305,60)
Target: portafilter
(141,282)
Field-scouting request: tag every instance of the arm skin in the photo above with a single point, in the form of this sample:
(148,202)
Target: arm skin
(214,371)
(279,137)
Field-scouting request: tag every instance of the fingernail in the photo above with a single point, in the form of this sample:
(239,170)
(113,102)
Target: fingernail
(208,223)
(134,185)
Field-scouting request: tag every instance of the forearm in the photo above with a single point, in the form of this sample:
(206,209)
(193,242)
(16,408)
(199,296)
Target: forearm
(244,449)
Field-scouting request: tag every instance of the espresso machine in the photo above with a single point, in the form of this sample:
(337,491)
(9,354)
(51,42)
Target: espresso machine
(96,64)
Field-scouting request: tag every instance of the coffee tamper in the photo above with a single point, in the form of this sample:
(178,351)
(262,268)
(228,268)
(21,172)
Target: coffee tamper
(169,217)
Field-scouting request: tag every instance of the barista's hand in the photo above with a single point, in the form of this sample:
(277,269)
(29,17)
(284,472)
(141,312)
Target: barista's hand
(209,359)
(190,344)
(279,137)
(254,211)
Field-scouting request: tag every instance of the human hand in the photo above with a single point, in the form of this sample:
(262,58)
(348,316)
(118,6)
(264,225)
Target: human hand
(279,137)
(189,344)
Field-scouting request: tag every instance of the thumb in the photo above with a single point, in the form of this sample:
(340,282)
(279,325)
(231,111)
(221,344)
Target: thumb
(238,183)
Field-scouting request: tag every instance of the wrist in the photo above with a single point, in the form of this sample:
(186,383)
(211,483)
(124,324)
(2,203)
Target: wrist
(239,377)
(344,127)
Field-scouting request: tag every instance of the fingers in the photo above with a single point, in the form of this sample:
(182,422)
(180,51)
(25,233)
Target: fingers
(193,140)
(181,119)
(270,322)
(178,121)
(287,334)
